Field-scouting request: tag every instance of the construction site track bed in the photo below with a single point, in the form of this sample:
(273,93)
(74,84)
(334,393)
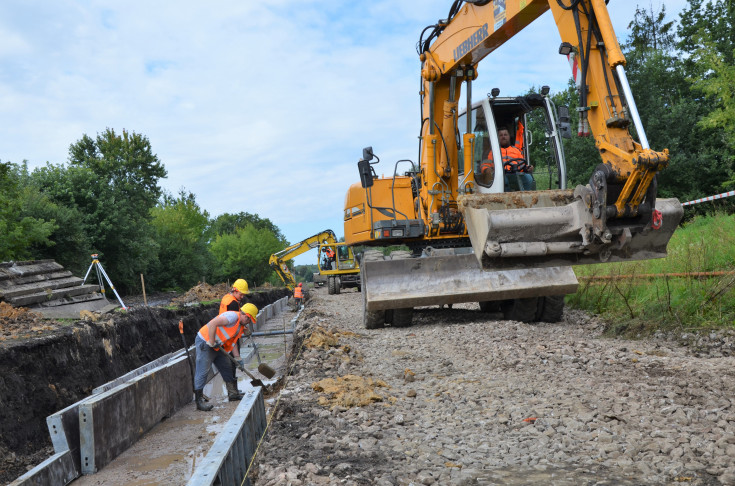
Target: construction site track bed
(462,397)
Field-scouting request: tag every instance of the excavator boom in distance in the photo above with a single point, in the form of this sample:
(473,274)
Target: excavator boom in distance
(496,224)
(338,265)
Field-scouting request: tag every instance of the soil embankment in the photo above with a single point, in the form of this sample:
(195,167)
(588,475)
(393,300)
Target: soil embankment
(463,397)
(46,366)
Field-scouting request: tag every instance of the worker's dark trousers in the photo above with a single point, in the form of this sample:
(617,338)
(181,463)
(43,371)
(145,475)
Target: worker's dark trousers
(205,357)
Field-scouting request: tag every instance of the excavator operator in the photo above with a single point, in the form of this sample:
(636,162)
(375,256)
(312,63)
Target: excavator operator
(514,163)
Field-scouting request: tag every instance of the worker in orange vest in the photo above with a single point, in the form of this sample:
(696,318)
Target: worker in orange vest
(298,293)
(330,258)
(232,301)
(513,160)
(221,333)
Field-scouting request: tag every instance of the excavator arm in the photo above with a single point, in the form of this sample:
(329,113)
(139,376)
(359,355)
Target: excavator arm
(278,260)
(618,204)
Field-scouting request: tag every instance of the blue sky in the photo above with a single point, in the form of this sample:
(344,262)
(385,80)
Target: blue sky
(261,107)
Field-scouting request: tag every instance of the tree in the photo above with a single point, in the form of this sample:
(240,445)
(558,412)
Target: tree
(229,223)
(112,181)
(179,231)
(245,254)
(19,231)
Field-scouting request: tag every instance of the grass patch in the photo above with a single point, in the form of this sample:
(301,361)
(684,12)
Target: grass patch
(633,306)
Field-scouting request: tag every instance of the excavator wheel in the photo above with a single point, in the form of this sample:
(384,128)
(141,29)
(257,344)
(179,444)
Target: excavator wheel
(330,285)
(550,308)
(490,306)
(401,317)
(337,285)
(523,310)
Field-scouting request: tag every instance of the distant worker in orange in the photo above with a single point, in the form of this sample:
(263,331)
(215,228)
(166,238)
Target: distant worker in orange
(298,294)
(221,332)
(513,160)
(329,253)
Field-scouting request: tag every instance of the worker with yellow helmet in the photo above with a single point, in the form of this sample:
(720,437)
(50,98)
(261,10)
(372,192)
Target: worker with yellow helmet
(222,332)
(232,301)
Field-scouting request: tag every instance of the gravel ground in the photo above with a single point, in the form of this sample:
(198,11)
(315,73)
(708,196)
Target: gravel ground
(472,399)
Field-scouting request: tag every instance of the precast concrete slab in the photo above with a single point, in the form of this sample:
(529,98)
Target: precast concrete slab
(136,372)
(111,421)
(57,470)
(228,459)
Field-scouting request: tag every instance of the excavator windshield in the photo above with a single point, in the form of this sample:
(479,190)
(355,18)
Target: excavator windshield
(535,160)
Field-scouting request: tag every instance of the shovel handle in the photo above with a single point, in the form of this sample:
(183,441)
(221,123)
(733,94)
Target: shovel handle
(181,327)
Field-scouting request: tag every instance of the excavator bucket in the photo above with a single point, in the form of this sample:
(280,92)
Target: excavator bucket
(552,228)
(450,279)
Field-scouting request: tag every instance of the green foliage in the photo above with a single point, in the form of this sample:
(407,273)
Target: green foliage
(245,254)
(179,231)
(229,223)
(112,181)
(305,273)
(705,244)
(20,229)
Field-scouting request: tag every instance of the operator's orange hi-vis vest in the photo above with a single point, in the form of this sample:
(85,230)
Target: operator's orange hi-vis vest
(225,336)
(511,158)
(226,301)
(298,293)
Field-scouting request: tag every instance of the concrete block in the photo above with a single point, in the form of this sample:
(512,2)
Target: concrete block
(113,420)
(228,458)
(57,470)
(63,427)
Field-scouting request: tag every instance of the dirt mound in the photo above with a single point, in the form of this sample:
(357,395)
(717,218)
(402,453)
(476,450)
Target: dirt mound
(20,322)
(202,292)
(349,391)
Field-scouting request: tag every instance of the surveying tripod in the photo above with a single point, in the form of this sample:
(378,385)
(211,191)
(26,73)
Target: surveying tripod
(101,273)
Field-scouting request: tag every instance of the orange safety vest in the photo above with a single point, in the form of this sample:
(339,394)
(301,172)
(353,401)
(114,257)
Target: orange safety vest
(298,293)
(330,253)
(225,336)
(226,301)
(510,160)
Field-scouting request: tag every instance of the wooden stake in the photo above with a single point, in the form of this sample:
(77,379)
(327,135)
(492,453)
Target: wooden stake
(142,282)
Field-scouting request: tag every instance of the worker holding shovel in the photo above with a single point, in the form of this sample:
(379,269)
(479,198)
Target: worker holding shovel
(221,332)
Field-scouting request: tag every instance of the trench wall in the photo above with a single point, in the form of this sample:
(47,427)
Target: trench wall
(43,375)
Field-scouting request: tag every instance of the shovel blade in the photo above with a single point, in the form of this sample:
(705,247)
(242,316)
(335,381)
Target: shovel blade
(266,370)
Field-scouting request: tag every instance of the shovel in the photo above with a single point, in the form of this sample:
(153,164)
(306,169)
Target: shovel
(263,368)
(183,340)
(253,380)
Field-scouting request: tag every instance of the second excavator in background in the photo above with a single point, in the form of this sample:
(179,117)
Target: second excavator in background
(337,263)
(475,226)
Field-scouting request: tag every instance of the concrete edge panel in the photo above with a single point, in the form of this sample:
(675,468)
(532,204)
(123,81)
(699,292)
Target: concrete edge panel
(107,426)
(63,427)
(221,458)
(58,469)
(136,372)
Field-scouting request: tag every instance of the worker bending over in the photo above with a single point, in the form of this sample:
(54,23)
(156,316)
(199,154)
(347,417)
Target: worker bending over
(221,333)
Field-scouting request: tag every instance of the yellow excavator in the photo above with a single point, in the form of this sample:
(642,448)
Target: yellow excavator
(488,224)
(338,265)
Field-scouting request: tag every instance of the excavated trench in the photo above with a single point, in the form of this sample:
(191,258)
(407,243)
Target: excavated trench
(42,375)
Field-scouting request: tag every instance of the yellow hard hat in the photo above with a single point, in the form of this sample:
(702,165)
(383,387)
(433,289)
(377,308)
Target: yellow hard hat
(250,310)
(241,286)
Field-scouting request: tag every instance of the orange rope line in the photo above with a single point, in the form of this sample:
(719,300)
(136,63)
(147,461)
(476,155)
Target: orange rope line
(593,278)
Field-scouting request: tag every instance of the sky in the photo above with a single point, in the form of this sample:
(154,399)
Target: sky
(261,107)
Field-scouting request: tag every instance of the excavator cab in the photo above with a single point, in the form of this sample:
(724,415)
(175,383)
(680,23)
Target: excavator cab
(534,129)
